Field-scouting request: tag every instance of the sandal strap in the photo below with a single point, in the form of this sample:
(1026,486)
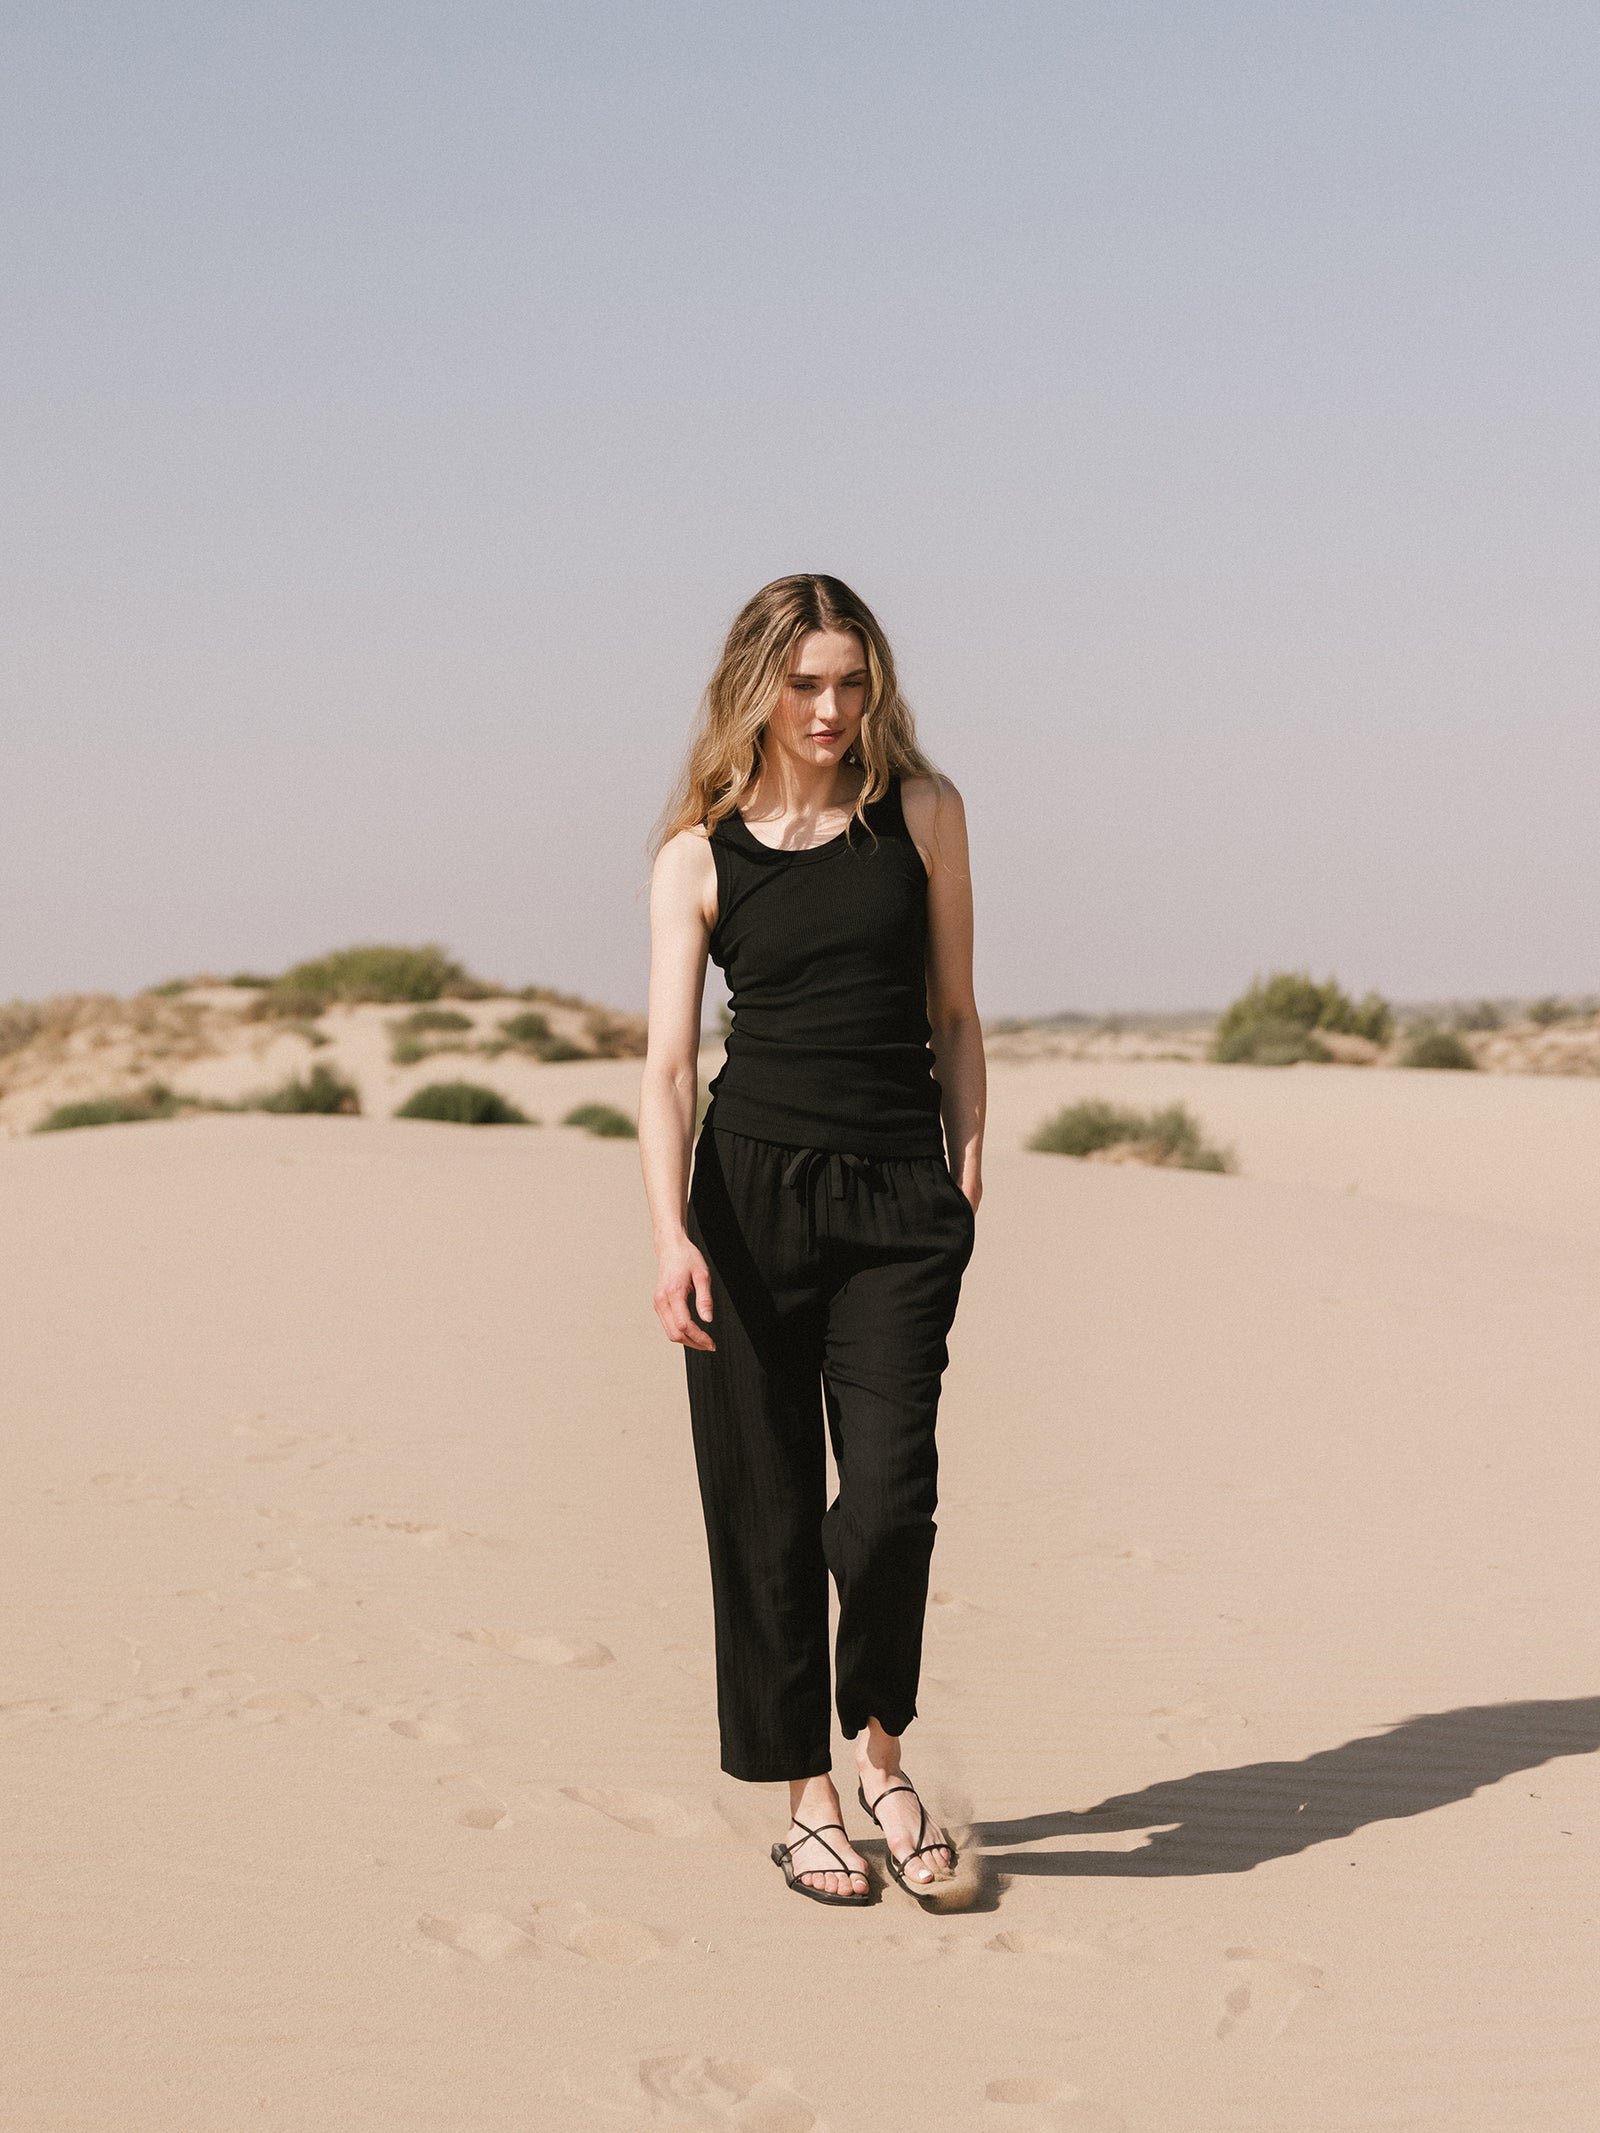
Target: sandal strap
(940,1844)
(791,1849)
(888,1793)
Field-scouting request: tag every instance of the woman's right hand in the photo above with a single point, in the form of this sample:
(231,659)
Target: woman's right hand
(682,1273)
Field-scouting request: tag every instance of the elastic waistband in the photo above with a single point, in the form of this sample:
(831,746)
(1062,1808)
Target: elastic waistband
(908,1148)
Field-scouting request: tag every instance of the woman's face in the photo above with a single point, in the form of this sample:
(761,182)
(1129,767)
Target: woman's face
(819,713)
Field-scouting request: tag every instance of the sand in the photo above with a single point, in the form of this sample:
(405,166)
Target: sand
(355,1694)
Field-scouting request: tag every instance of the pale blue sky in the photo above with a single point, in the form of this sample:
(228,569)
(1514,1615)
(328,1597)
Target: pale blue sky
(399,400)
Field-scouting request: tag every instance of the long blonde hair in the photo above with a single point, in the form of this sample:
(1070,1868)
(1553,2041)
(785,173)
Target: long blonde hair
(724,757)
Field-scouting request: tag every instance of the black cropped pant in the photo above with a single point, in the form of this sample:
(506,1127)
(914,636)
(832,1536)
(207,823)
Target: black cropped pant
(838,1276)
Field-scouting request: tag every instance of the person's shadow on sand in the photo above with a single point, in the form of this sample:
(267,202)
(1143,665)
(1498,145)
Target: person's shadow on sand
(1228,1821)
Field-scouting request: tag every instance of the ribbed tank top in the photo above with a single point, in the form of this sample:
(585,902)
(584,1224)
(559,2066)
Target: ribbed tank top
(824,952)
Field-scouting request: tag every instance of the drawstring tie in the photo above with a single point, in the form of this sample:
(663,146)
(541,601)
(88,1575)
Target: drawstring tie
(806,1165)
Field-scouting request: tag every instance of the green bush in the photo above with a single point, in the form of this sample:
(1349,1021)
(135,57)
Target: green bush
(376,973)
(1269,1042)
(1436,1048)
(322,1091)
(431,1018)
(156,1101)
(409,1036)
(286,1003)
(1171,1137)
(531,1032)
(1272,1023)
(1484,1016)
(1544,1012)
(463,1103)
(605,1120)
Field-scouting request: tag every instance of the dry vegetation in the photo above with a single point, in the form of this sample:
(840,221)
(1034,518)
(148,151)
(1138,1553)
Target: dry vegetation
(1289,1020)
(100,1050)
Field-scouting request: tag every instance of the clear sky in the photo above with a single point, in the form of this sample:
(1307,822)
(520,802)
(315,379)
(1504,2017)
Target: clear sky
(399,399)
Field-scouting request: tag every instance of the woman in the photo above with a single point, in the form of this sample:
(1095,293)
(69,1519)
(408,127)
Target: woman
(819,860)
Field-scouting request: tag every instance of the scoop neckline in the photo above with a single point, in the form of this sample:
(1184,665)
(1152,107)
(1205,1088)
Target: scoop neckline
(791,853)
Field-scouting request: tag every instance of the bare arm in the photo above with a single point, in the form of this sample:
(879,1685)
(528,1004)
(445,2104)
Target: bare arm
(938,825)
(683,909)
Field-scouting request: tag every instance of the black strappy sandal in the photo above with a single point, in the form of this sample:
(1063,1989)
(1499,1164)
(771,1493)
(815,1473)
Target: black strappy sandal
(783,1855)
(928,1896)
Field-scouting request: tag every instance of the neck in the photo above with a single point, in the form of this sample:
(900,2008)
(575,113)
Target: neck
(784,786)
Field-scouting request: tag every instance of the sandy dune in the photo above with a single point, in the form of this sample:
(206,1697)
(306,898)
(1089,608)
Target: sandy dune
(355,1695)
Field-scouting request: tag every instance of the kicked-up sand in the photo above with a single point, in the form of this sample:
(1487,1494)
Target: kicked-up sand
(355,1673)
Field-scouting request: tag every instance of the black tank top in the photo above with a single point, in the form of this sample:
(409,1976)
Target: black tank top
(824,952)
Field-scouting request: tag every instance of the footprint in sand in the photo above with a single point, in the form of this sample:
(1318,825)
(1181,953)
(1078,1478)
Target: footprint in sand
(479,1809)
(488,1935)
(153,1708)
(546,1650)
(1029,2106)
(277,1704)
(261,1447)
(954,1603)
(435,1731)
(425,1534)
(646,1812)
(292,1575)
(1263,1991)
(693,2095)
(1017,1942)
(575,1927)
(914,1948)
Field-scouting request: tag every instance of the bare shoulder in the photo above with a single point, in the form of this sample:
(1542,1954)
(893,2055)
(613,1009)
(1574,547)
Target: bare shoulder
(685,872)
(936,819)
(686,855)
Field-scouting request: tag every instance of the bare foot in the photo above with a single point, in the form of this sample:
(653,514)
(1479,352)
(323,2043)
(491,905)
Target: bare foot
(814,1803)
(899,1814)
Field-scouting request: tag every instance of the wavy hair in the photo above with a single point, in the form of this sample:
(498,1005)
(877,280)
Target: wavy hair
(724,758)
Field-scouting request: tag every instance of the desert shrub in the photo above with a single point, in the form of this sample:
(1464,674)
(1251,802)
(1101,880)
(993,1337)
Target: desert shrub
(156,1101)
(322,1091)
(431,1018)
(409,1040)
(1544,1012)
(531,1032)
(1271,1024)
(376,973)
(1485,1016)
(20,1022)
(286,1003)
(605,1120)
(1268,1042)
(1436,1048)
(247,981)
(1171,1137)
(170,989)
(614,1036)
(463,1103)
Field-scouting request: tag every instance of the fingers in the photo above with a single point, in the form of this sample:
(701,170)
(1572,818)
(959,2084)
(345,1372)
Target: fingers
(702,1292)
(672,1308)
